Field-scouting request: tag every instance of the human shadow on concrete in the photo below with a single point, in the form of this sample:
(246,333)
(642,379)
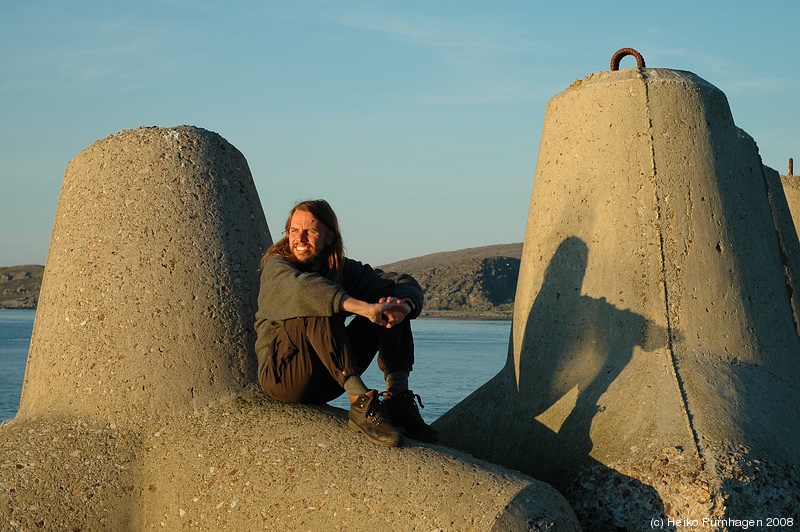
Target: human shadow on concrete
(573,347)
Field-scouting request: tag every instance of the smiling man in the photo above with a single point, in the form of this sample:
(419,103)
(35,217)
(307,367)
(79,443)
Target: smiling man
(306,352)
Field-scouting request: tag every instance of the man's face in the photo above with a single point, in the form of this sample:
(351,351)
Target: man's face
(308,238)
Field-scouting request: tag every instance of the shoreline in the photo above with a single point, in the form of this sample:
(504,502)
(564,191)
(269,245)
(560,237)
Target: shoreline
(458,315)
(435,315)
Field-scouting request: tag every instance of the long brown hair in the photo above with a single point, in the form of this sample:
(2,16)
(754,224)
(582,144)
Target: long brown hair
(322,211)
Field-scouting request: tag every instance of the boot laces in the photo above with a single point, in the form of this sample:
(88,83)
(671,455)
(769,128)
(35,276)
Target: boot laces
(375,411)
(408,399)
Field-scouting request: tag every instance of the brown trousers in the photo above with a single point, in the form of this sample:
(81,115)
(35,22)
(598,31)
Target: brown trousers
(311,357)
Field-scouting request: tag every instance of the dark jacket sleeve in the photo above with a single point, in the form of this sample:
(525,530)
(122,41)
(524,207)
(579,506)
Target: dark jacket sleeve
(286,292)
(369,284)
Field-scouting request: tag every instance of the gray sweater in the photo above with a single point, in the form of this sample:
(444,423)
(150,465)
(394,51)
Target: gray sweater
(288,292)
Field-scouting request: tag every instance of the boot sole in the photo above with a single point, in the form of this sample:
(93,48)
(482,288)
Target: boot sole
(387,443)
(418,437)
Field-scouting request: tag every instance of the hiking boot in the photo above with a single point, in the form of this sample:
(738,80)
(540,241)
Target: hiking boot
(368,416)
(402,409)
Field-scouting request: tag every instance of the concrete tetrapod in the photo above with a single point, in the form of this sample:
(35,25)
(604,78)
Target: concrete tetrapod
(150,281)
(791,189)
(785,197)
(654,364)
(778,193)
(138,410)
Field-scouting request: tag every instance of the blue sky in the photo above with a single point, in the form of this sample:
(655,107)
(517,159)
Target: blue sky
(418,121)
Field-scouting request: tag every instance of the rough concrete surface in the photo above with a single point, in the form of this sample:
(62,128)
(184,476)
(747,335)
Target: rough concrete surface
(138,410)
(654,353)
(152,265)
(791,186)
(255,464)
(785,197)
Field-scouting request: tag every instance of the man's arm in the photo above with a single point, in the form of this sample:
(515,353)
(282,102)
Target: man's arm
(286,292)
(387,312)
(369,284)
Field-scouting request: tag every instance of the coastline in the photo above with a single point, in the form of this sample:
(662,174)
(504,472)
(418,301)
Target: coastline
(466,316)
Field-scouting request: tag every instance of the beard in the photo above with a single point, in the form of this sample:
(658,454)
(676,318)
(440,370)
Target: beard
(310,260)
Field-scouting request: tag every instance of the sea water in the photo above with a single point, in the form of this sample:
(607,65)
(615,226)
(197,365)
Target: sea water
(453,358)
(15,339)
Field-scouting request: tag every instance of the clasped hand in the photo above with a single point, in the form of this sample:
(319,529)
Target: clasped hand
(390,311)
(387,312)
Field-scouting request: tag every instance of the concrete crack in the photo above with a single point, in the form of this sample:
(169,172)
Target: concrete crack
(662,248)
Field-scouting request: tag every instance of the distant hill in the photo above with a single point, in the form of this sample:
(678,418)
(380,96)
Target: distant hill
(447,257)
(19,286)
(468,283)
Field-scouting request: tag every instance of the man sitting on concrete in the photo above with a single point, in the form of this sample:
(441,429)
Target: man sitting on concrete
(306,352)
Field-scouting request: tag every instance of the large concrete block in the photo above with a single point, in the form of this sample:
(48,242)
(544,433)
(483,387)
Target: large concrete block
(780,189)
(787,193)
(256,464)
(791,186)
(654,349)
(149,291)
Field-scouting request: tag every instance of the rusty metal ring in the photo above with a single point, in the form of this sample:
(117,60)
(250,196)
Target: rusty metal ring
(617,57)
